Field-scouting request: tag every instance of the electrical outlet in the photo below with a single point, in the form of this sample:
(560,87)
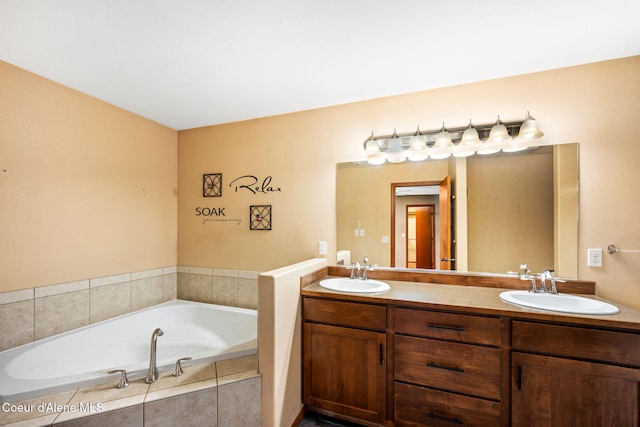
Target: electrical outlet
(594,257)
(356,232)
(362,232)
(322,247)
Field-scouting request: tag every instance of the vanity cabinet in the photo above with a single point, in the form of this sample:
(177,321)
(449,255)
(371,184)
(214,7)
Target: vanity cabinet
(447,369)
(344,358)
(574,376)
(397,362)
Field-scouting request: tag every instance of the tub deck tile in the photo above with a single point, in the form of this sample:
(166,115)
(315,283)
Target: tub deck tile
(45,421)
(239,402)
(237,364)
(192,374)
(105,393)
(140,403)
(42,410)
(127,415)
(181,389)
(196,408)
(238,376)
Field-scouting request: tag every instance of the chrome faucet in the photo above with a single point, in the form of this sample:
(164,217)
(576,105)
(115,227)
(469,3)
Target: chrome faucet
(355,270)
(545,276)
(526,275)
(152,373)
(366,267)
(359,271)
(543,281)
(553,280)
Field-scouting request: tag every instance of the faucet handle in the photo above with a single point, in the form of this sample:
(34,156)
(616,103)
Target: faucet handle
(555,280)
(178,370)
(124,381)
(353,267)
(532,279)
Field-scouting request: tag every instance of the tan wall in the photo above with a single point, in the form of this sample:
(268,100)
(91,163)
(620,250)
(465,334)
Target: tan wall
(86,189)
(596,105)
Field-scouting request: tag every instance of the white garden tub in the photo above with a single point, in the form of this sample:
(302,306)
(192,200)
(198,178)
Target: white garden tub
(82,357)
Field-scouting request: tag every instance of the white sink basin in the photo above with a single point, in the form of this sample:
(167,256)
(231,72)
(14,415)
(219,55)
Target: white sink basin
(354,285)
(562,302)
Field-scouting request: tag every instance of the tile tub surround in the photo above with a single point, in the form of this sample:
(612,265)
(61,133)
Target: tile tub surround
(225,393)
(32,314)
(236,288)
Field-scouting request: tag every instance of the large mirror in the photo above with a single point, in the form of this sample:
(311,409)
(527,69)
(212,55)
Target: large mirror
(502,210)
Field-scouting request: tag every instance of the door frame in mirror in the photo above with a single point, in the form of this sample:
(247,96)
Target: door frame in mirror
(446,256)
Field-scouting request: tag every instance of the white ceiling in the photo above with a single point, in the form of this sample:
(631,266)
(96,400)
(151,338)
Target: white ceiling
(192,63)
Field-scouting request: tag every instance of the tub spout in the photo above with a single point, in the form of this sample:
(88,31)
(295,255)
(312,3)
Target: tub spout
(152,373)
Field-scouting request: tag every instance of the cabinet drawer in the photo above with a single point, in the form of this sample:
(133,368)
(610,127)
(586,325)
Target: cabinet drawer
(606,346)
(415,405)
(449,326)
(462,368)
(351,314)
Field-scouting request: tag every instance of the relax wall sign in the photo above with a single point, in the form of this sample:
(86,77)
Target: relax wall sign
(212,185)
(250,183)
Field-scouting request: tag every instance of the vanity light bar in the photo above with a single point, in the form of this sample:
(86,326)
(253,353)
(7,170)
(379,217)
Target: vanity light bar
(459,141)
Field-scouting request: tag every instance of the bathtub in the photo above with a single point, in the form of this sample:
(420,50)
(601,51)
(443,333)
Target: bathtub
(81,357)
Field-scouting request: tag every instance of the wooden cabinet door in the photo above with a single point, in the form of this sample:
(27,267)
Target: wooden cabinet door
(344,371)
(552,391)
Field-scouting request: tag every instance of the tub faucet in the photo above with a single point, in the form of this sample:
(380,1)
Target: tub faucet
(152,373)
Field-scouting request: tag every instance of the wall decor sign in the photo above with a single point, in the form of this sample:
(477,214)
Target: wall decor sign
(252,183)
(215,214)
(260,217)
(235,221)
(212,185)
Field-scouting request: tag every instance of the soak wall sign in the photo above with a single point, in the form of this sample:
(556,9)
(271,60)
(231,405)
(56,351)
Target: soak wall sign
(215,215)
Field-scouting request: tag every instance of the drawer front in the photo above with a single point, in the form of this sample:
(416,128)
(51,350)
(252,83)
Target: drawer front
(449,326)
(593,344)
(350,314)
(415,405)
(463,368)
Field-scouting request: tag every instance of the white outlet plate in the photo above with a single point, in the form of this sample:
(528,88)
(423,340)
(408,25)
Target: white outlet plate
(322,247)
(594,257)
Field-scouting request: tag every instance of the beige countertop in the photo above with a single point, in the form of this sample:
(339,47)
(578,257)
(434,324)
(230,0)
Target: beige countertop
(473,299)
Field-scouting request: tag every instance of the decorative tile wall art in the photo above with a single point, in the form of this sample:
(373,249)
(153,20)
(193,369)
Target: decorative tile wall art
(260,217)
(212,185)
